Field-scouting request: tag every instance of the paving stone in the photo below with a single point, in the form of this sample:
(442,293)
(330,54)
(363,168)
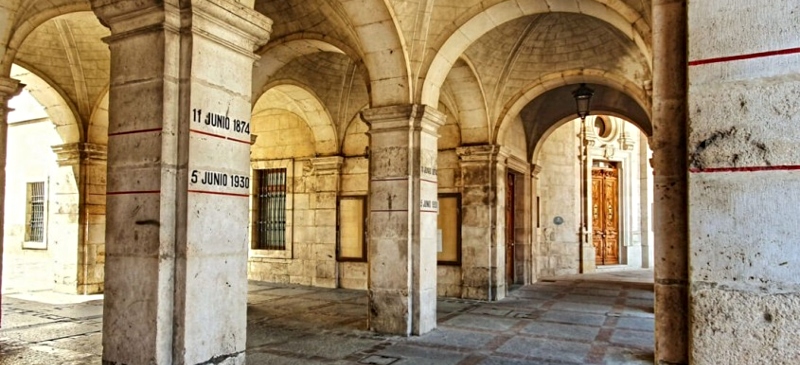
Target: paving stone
(583,307)
(482,322)
(414,355)
(333,295)
(456,338)
(51,331)
(597,292)
(268,358)
(547,349)
(637,323)
(15,320)
(89,344)
(379,360)
(288,291)
(640,339)
(574,318)
(444,306)
(496,360)
(566,331)
(594,299)
(622,356)
(544,295)
(499,312)
(326,346)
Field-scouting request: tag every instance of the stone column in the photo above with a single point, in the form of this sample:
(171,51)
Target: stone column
(79,223)
(536,220)
(483,175)
(670,224)
(178,180)
(744,165)
(403,205)
(327,171)
(8,89)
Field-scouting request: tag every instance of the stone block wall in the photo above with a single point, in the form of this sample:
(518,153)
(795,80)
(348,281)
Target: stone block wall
(30,159)
(559,184)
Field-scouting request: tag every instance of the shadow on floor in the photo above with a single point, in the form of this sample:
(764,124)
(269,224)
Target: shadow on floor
(559,321)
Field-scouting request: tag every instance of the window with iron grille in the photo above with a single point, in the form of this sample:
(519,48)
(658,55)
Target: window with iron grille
(34,229)
(269,229)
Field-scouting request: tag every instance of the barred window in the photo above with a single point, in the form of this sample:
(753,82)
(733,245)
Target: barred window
(34,229)
(270,209)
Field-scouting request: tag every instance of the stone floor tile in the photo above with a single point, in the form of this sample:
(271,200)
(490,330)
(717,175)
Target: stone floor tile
(341,295)
(482,322)
(455,338)
(641,339)
(50,331)
(641,294)
(497,360)
(594,299)
(597,292)
(16,320)
(491,311)
(323,346)
(559,330)
(88,344)
(573,318)
(288,291)
(622,356)
(259,358)
(547,349)
(637,323)
(583,307)
(446,306)
(415,355)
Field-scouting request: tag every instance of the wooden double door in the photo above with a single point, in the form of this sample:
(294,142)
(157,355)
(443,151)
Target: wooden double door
(605,213)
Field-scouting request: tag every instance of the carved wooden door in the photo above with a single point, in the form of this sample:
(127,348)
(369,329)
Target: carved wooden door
(510,229)
(605,214)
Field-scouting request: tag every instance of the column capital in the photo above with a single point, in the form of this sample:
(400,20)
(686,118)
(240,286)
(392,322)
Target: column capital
(9,88)
(227,22)
(397,117)
(536,170)
(518,164)
(327,165)
(72,154)
(483,153)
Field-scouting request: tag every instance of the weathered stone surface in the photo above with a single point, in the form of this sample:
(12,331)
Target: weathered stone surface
(765,329)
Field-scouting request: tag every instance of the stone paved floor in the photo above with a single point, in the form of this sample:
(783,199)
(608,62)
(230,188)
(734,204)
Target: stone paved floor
(557,321)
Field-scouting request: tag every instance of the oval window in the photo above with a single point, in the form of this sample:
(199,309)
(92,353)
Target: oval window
(601,127)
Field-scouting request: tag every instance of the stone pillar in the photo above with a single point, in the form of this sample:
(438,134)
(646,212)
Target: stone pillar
(646,200)
(178,180)
(744,179)
(483,264)
(79,217)
(8,89)
(403,207)
(670,225)
(536,221)
(328,172)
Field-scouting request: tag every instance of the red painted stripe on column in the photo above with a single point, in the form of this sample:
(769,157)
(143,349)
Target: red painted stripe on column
(745,56)
(135,132)
(219,193)
(220,136)
(133,192)
(745,169)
